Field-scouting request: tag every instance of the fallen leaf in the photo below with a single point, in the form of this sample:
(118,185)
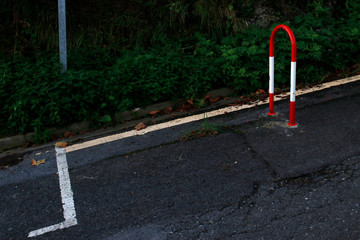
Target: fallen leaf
(152,113)
(187,106)
(189,101)
(168,110)
(260,91)
(238,102)
(37,163)
(68,134)
(207,97)
(61,144)
(27,145)
(140,126)
(214,100)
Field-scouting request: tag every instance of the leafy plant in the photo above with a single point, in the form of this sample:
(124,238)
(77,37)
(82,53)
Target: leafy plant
(205,129)
(134,57)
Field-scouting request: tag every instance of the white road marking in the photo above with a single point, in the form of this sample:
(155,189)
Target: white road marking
(66,196)
(51,228)
(197,117)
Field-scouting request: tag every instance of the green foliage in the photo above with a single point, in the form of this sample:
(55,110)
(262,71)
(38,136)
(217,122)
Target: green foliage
(205,129)
(243,59)
(116,24)
(325,43)
(105,76)
(36,96)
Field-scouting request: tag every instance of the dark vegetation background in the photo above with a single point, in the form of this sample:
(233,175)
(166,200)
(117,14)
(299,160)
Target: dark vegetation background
(124,54)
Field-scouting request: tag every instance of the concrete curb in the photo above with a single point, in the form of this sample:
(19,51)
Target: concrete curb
(14,143)
(136,116)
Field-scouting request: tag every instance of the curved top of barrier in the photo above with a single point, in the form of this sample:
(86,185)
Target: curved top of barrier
(292,40)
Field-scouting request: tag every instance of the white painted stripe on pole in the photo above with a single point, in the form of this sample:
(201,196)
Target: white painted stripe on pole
(66,196)
(271,74)
(197,117)
(293,82)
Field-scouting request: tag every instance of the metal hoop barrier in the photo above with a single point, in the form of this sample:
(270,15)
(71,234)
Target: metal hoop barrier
(292,73)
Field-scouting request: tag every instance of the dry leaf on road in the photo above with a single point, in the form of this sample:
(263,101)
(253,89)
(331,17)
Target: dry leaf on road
(168,110)
(152,113)
(140,126)
(61,144)
(260,91)
(214,100)
(37,163)
(68,134)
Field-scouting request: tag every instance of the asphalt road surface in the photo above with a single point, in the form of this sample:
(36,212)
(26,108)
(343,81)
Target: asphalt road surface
(256,179)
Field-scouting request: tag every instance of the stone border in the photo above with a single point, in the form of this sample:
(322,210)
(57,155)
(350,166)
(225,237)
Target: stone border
(136,116)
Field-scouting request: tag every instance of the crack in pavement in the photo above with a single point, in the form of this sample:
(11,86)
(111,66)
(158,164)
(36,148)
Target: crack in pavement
(301,204)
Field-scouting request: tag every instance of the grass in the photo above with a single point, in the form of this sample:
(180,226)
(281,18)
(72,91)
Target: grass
(205,129)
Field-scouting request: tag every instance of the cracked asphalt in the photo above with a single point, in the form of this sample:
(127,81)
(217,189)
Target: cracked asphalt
(322,205)
(256,179)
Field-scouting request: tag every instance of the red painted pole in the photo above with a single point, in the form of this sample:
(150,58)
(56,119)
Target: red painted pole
(292,40)
(293,72)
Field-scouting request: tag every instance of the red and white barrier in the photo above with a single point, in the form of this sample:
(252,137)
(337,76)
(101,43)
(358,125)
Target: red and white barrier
(292,74)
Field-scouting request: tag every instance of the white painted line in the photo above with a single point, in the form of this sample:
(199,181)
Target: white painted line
(66,196)
(51,228)
(197,117)
(65,186)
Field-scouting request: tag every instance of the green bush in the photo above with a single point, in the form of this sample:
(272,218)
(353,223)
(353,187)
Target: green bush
(35,96)
(101,80)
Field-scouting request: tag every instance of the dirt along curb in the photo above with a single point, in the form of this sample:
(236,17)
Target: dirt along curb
(129,119)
